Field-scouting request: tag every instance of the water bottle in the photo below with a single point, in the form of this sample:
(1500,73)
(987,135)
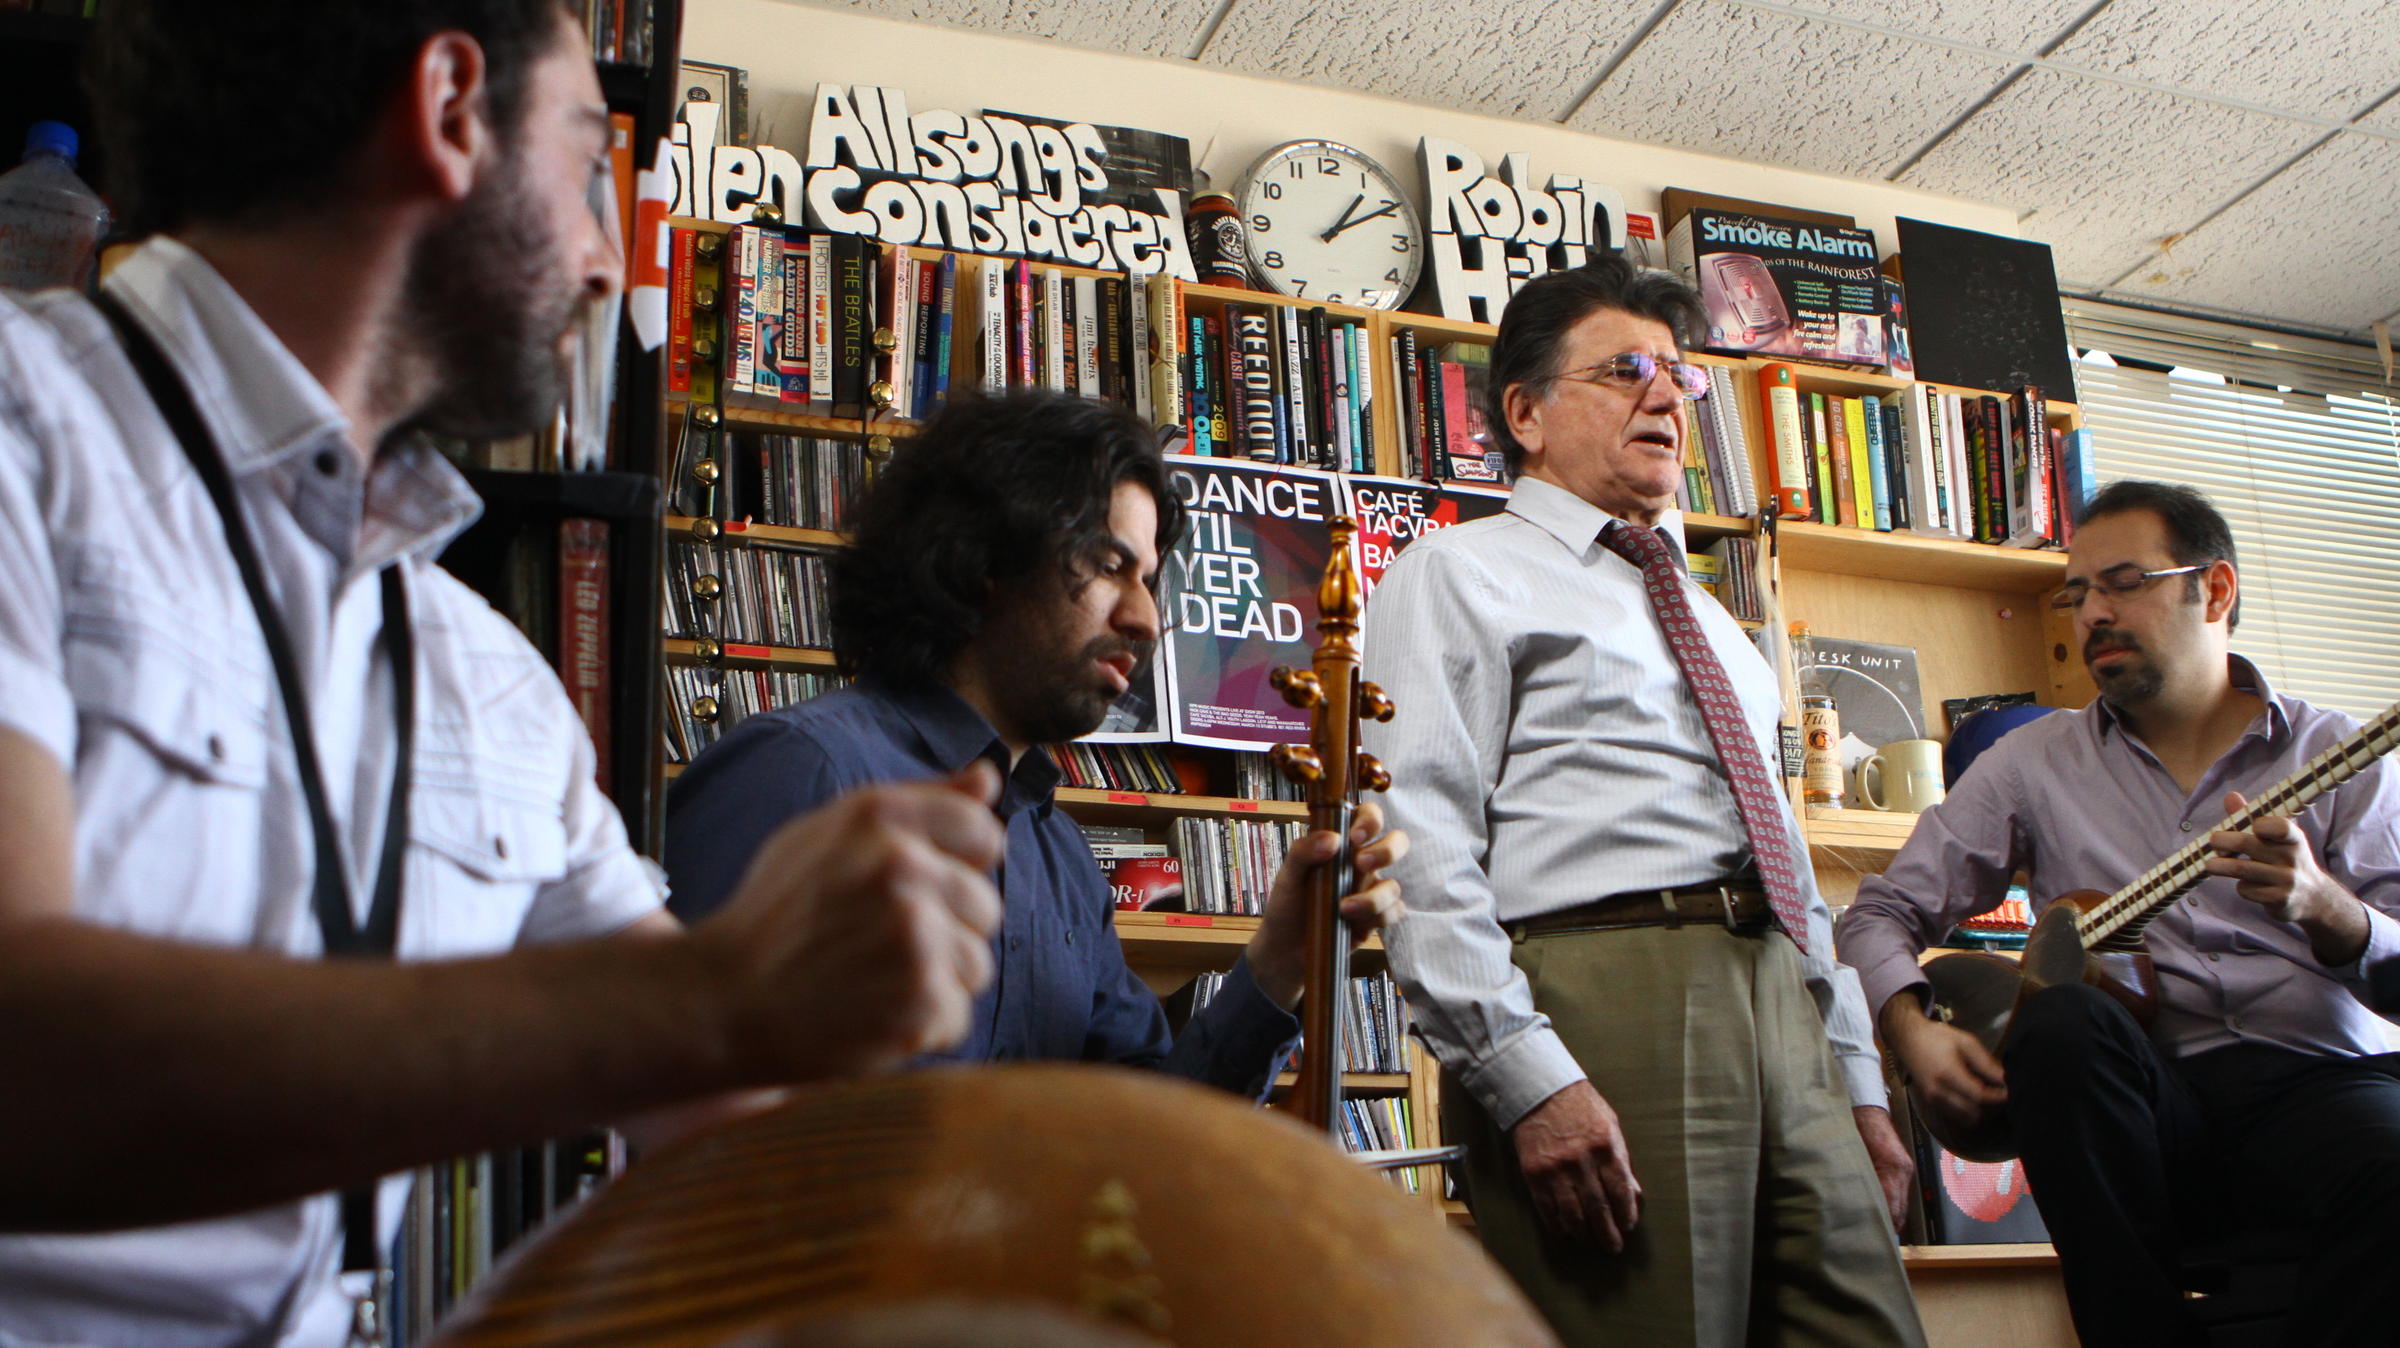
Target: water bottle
(50,222)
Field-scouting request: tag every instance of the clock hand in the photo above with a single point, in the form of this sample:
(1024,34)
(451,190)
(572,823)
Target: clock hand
(1344,222)
(1386,209)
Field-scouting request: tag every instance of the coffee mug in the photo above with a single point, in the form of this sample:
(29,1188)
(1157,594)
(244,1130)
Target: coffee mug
(1905,775)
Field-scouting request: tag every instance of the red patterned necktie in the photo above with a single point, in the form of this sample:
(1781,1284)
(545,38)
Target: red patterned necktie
(1753,789)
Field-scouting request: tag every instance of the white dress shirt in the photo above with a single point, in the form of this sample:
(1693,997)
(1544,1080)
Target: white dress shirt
(128,647)
(1547,753)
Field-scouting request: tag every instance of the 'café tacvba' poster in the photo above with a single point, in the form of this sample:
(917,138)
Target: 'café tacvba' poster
(1393,512)
(1240,597)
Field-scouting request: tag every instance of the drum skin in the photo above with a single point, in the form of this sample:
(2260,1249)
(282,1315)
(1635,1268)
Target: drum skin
(1150,1209)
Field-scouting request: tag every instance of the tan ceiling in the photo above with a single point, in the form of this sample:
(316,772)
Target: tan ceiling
(2227,158)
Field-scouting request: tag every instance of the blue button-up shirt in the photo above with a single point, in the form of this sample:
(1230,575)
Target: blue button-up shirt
(2080,804)
(1061,989)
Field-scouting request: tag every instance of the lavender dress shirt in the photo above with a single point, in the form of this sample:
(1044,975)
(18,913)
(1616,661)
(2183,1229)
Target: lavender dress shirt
(2078,803)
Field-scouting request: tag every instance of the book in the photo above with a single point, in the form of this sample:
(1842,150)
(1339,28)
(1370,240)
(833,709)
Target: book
(1820,453)
(1024,326)
(1846,487)
(851,318)
(792,351)
(1086,344)
(680,251)
(1140,351)
(1866,432)
(1787,451)
(821,304)
(1776,285)
(1169,395)
(945,323)
(1052,330)
(1254,362)
(582,639)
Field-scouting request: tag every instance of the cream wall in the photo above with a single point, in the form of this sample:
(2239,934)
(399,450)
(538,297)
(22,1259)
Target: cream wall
(1229,118)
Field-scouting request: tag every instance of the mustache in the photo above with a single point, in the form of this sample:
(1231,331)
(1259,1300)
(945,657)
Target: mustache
(2108,638)
(1101,648)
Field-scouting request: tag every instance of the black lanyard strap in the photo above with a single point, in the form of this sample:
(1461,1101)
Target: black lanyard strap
(331,889)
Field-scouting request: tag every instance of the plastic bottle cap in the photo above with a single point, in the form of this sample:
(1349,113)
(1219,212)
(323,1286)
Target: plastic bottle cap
(52,138)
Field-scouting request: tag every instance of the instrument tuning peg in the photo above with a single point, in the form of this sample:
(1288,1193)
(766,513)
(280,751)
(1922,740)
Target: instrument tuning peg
(1374,703)
(1297,762)
(1299,687)
(1372,774)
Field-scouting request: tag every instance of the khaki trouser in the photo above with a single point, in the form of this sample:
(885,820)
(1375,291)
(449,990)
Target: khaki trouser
(1762,1221)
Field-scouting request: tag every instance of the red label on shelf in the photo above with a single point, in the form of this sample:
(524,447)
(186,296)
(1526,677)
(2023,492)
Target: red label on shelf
(1241,804)
(1127,798)
(740,526)
(749,652)
(1191,919)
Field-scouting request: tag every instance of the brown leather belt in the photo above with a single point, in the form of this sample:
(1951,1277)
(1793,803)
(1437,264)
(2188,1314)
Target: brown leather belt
(1736,905)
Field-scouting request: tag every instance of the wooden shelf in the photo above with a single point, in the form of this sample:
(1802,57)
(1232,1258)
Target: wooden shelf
(1978,1256)
(1453,329)
(1099,804)
(741,655)
(766,418)
(1882,831)
(1698,528)
(1209,297)
(1377,1083)
(742,531)
(1207,941)
(1923,561)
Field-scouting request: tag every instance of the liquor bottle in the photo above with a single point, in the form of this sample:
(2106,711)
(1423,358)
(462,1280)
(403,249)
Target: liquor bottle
(1820,725)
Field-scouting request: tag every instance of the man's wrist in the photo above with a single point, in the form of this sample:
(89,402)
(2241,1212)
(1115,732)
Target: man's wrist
(1276,973)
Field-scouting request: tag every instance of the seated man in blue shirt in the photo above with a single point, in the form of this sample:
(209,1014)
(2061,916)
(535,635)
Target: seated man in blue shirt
(997,596)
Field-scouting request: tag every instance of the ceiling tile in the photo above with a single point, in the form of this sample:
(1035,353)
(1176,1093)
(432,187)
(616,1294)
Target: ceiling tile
(2107,169)
(2386,115)
(2322,58)
(1429,51)
(1782,89)
(1141,27)
(2018,29)
(2312,246)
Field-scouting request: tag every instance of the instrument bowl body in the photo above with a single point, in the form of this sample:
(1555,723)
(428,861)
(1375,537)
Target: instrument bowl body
(1143,1205)
(1980,993)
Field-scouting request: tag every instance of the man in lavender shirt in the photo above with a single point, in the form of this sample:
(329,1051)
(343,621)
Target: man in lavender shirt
(2262,1093)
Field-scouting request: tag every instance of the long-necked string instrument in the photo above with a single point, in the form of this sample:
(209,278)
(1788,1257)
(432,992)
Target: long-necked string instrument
(2096,938)
(1333,769)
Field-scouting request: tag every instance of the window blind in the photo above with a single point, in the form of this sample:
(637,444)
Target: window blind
(2298,443)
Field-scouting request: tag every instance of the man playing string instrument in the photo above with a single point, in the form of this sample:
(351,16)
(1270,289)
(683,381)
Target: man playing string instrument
(2266,1064)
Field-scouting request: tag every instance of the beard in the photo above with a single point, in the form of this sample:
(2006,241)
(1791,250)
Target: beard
(2132,680)
(487,304)
(1051,696)
(1045,685)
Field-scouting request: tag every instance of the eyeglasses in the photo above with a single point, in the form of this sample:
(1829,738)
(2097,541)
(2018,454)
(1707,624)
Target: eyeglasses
(1635,369)
(2119,581)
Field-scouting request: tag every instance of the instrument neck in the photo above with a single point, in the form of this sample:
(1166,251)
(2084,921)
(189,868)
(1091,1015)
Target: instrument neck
(2121,917)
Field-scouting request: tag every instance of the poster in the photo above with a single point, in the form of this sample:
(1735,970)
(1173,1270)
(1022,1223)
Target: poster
(1240,597)
(1875,688)
(1393,512)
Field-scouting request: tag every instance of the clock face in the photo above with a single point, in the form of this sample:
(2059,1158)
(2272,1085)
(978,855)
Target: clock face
(1324,222)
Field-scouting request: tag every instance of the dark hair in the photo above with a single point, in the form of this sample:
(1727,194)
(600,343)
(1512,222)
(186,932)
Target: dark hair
(991,491)
(2196,534)
(1534,327)
(238,109)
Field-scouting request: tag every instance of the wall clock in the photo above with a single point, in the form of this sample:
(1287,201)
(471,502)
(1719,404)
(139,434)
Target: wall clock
(1325,222)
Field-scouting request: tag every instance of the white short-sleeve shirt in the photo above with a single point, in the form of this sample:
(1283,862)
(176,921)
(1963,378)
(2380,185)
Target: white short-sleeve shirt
(129,648)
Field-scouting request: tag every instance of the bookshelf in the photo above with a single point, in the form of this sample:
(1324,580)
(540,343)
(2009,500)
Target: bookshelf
(1974,612)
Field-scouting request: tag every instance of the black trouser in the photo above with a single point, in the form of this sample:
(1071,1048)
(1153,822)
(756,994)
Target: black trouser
(2132,1156)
